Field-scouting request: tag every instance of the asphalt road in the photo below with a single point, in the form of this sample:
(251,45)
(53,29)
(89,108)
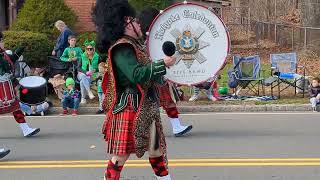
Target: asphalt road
(226,146)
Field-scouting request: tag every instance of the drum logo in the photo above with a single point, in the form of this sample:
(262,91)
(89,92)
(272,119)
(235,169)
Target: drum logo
(189,44)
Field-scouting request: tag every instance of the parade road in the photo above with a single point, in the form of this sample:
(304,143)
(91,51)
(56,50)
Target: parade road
(222,146)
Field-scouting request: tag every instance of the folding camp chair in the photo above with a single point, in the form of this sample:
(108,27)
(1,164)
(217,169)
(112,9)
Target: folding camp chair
(248,74)
(284,70)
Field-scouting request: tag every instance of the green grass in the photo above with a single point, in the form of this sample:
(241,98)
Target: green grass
(265,73)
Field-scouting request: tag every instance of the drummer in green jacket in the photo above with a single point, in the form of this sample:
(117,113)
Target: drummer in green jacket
(71,53)
(87,70)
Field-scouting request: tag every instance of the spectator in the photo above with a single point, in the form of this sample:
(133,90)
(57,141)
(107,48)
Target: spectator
(62,41)
(101,68)
(70,98)
(36,109)
(314,93)
(87,69)
(210,90)
(71,53)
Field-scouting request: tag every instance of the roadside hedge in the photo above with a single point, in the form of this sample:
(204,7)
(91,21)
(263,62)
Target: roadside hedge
(37,46)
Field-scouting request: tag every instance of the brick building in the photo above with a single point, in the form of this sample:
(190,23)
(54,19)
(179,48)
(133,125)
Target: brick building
(82,8)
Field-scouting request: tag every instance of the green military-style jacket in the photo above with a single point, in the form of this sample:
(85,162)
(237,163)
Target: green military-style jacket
(130,72)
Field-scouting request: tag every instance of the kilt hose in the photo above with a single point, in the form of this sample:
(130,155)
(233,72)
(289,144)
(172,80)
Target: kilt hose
(19,116)
(16,112)
(119,131)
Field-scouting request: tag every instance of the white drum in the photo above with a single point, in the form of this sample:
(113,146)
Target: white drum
(201,39)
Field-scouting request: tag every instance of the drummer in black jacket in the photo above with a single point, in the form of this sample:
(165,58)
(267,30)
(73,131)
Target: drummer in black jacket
(6,68)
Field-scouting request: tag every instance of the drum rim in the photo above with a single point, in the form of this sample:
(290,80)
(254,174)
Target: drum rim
(197,4)
(26,86)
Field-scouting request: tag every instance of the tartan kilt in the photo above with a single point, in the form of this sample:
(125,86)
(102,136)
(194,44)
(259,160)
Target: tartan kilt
(12,108)
(165,96)
(119,131)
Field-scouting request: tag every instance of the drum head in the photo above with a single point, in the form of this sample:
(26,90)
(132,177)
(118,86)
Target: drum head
(201,39)
(32,81)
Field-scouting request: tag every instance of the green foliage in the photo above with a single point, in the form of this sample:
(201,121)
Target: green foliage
(81,38)
(40,16)
(158,4)
(37,46)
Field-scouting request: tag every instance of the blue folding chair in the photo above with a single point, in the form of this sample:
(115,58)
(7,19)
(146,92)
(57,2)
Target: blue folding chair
(248,74)
(284,69)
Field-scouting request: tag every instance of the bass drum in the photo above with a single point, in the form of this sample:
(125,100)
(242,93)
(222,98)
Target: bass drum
(201,39)
(33,90)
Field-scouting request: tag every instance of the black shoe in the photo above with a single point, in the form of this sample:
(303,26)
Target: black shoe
(100,112)
(4,153)
(184,131)
(36,131)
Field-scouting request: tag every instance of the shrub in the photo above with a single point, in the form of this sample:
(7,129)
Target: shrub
(40,16)
(158,4)
(81,38)
(37,46)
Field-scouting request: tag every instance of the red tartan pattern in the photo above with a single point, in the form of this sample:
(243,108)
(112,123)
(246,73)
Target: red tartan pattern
(159,166)
(8,109)
(119,129)
(8,101)
(113,171)
(165,96)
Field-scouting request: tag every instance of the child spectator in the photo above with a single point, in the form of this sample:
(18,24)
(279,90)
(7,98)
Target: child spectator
(71,53)
(211,90)
(35,109)
(314,93)
(71,98)
(99,88)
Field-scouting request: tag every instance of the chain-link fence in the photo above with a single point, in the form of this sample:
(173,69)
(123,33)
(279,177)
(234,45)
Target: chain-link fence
(245,28)
(237,20)
(252,21)
(288,35)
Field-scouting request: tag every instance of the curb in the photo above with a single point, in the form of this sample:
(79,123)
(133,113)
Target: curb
(216,108)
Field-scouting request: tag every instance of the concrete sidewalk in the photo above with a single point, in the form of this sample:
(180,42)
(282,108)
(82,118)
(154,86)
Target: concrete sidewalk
(217,108)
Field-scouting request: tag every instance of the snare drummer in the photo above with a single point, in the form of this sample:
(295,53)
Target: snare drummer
(17,113)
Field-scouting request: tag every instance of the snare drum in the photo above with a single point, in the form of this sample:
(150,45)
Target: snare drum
(8,99)
(33,90)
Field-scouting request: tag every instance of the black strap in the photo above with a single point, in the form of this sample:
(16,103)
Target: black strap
(238,63)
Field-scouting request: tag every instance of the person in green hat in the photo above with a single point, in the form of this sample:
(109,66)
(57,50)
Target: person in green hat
(70,98)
